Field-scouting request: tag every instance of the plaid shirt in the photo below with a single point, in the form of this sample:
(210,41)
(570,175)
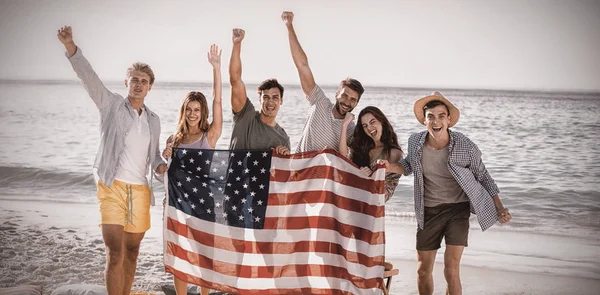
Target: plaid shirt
(464,163)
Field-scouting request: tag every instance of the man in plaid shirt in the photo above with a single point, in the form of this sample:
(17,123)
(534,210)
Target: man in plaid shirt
(451,181)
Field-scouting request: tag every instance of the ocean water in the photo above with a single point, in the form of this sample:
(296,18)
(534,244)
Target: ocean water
(541,148)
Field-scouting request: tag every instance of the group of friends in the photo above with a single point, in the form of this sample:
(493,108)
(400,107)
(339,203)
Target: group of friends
(450,179)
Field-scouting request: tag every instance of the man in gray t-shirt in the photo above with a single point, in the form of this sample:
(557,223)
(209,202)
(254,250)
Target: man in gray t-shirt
(254,129)
(324,124)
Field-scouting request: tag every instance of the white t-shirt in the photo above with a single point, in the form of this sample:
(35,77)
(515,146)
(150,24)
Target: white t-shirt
(322,129)
(133,162)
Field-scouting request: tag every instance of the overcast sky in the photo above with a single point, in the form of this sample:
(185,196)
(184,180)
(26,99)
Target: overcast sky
(513,44)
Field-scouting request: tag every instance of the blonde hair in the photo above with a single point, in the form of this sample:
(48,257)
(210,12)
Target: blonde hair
(182,126)
(141,67)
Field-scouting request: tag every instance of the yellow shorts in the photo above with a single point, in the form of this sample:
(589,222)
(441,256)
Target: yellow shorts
(125,204)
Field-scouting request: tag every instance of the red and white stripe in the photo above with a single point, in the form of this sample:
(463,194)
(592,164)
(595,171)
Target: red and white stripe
(323,234)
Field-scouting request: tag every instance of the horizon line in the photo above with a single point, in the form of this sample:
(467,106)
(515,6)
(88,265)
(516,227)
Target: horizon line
(333,85)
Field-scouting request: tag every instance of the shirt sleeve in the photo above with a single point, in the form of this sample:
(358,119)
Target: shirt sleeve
(91,82)
(246,113)
(480,172)
(317,96)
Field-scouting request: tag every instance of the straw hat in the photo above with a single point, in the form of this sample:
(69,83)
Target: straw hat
(420,103)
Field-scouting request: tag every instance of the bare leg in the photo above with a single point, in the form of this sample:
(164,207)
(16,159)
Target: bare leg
(113,274)
(452,258)
(132,249)
(425,262)
(180,286)
(204,291)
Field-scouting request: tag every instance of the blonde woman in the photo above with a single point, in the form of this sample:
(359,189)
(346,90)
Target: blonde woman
(195,132)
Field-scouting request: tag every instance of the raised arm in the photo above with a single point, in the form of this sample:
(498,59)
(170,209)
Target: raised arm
(216,127)
(238,88)
(307,81)
(343,148)
(91,82)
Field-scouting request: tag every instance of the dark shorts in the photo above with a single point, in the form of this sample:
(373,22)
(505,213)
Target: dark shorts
(444,221)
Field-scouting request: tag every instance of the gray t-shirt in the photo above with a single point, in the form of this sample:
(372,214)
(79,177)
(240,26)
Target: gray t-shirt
(250,133)
(440,186)
(322,129)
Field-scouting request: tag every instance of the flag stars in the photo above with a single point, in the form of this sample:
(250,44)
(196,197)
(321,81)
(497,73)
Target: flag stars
(248,154)
(212,181)
(243,200)
(224,215)
(232,154)
(230,170)
(256,219)
(254,178)
(202,201)
(245,185)
(185,195)
(204,184)
(222,177)
(208,211)
(193,206)
(198,168)
(229,184)
(223,163)
(178,183)
(252,194)
(188,179)
(259,202)
(262,186)
(218,205)
(238,178)
(234,208)
(226,198)
(214,169)
(211,194)
(195,190)
(255,163)
(264,154)
(236,192)
(246,170)
(250,210)
(207,162)
(241,217)
(263,171)
(191,160)
(179,200)
(182,166)
(220,189)
(239,163)
(184,152)
(199,153)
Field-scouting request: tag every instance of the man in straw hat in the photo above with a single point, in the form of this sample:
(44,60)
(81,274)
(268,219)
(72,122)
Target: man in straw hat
(451,181)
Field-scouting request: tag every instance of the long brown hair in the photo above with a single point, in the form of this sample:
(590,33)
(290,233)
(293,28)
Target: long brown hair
(362,143)
(182,126)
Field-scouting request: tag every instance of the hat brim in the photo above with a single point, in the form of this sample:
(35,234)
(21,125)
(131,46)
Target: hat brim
(421,102)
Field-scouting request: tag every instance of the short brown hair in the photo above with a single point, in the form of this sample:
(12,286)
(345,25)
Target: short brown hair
(141,67)
(268,84)
(354,85)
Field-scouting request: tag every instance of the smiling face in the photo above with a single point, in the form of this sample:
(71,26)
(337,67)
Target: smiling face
(270,101)
(138,85)
(346,100)
(193,113)
(371,126)
(436,121)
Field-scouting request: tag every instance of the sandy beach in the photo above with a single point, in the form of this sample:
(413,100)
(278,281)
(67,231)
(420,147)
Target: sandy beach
(54,244)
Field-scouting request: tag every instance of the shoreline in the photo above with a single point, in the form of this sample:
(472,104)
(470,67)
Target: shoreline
(53,244)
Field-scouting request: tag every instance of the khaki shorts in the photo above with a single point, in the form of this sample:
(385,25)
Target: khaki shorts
(125,204)
(444,221)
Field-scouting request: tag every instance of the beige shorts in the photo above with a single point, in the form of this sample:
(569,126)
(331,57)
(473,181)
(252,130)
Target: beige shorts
(125,204)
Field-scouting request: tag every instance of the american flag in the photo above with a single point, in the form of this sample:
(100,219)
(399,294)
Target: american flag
(253,222)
